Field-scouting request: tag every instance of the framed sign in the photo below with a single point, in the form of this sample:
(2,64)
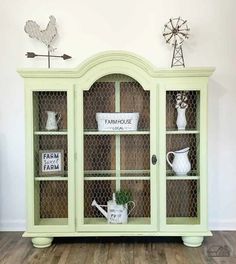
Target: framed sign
(51,162)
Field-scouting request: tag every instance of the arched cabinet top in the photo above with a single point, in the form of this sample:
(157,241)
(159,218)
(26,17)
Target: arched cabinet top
(111,62)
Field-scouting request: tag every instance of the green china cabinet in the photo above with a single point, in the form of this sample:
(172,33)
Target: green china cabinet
(70,162)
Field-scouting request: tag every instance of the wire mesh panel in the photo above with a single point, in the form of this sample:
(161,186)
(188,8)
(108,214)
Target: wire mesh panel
(50,196)
(182,199)
(50,142)
(53,199)
(102,191)
(192,102)
(99,98)
(135,99)
(99,152)
(140,190)
(116,156)
(135,152)
(175,142)
(49,101)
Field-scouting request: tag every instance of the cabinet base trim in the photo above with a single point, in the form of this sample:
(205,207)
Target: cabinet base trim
(114,234)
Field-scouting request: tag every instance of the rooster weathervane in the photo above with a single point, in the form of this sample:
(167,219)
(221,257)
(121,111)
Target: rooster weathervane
(46,36)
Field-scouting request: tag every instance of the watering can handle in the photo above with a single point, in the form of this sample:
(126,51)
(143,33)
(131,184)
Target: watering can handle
(167,157)
(132,202)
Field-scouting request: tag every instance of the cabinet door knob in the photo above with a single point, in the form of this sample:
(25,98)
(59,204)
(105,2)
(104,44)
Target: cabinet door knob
(154,159)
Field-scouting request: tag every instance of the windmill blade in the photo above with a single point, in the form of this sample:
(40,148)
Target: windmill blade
(173,33)
(184,29)
(184,21)
(183,34)
(166,26)
(166,34)
(171,23)
(180,41)
(170,38)
(178,21)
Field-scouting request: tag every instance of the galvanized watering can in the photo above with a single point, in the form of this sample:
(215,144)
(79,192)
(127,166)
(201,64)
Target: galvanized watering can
(116,213)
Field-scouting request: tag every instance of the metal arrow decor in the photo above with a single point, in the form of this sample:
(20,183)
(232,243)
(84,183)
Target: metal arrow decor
(46,36)
(33,55)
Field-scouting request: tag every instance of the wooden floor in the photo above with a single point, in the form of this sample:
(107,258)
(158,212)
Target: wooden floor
(221,248)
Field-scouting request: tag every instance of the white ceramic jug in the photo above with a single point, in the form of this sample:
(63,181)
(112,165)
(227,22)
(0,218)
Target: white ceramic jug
(53,120)
(181,164)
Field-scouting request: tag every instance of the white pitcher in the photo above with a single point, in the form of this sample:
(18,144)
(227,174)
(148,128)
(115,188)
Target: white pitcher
(181,164)
(53,120)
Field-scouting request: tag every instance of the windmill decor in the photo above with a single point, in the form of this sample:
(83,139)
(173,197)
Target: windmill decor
(175,32)
(46,36)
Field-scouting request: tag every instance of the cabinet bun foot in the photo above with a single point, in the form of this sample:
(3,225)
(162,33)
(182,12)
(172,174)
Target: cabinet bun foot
(42,242)
(192,241)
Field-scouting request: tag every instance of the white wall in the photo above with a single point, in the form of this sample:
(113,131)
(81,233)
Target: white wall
(90,26)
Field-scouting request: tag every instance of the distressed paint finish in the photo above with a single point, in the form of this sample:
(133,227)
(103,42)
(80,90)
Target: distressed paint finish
(74,82)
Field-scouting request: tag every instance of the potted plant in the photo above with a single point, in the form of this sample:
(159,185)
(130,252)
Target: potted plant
(123,197)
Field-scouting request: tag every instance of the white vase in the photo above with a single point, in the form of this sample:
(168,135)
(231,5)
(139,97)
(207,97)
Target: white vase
(181,121)
(181,164)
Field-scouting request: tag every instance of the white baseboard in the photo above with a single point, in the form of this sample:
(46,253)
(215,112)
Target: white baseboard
(12,225)
(19,225)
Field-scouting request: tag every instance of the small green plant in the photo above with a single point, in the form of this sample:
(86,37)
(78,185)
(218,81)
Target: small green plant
(123,197)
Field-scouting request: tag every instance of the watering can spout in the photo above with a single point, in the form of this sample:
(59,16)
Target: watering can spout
(94,203)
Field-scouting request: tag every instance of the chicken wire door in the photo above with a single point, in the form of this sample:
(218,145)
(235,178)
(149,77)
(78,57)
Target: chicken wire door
(117,159)
(51,172)
(183,137)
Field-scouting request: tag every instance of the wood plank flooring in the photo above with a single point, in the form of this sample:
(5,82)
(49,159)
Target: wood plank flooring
(221,248)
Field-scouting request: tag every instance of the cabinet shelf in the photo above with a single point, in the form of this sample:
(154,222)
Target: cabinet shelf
(131,221)
(182,178)
(135,178)
(192,173)
(95,132)
(89,172)
(175,131)
(59,132)
(111,175)
(52,178)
